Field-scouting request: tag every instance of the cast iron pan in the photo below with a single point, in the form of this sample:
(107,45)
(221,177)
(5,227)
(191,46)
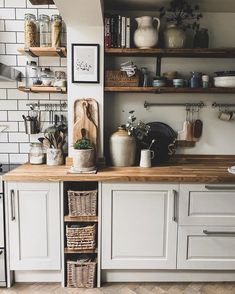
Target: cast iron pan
(164,136)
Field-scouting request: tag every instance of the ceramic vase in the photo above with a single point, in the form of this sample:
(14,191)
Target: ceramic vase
(146,35)
(55,156)
(84,159)
(122,148)
(174,37)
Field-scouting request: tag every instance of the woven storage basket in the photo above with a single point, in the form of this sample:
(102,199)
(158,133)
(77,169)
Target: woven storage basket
(81,237)
(82,203)
(81,274)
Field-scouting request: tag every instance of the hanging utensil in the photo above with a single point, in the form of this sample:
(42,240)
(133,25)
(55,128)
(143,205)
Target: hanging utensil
(197,127)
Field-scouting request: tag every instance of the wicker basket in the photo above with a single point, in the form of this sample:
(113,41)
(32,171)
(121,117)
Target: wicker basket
(82,203)
(81,274)
(81,237)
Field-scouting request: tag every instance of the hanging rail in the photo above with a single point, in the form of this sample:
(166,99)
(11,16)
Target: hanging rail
(219,105)
(61,105)
(200,104)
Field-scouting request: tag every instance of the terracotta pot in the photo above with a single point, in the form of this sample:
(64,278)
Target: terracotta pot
(122,148)
(84,159)
(174,37)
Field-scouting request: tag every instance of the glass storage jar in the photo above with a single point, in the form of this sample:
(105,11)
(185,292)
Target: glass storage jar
(60,80)
(36,153)
(47,76)
(30,30)
(56,30)
(31,74)
(44,30)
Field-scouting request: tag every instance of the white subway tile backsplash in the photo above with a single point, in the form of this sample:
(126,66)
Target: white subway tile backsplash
(54,96)
(22,60)
(8,104)
(3,93)
(2,25)
(9,147)
(19,37)
(12,126)
(63,62)
(3,116)
(13,25)
(9,60)
(39,96)
(48,11)
(4,158)
(16,115)
(34,137)
(16,94)
(19,158)
(3,137)
(8,37)
(2,49)
(24,147)
(18,137)
(49,61)
(6,13)
(15,3)
(1,3)
(8,85)
(12,48)
(20,13)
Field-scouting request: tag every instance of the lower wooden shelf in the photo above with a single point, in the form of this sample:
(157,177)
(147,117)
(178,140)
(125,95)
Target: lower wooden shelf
(161,90)
(84,219)
(43,89)
(68,250)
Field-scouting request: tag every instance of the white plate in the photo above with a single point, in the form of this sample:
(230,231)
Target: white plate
(228,82)
(231,169)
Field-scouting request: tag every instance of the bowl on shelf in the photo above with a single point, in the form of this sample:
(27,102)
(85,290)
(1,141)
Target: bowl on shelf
(224,81)
(159,82)
(178,83)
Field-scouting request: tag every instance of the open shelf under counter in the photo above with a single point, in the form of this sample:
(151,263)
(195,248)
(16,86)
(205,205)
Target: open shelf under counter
(42,89)
(161,90)
(84,251)
(44,51)
(84,219)
(182,52)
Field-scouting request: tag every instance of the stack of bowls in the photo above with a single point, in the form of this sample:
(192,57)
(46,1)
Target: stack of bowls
(159,82)
(178,83)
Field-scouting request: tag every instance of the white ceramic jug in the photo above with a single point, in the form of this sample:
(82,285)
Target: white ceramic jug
(146,35)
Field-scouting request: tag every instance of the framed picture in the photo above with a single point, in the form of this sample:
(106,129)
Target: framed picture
(85,63)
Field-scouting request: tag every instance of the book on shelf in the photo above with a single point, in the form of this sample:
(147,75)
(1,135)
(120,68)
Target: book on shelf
(116,31)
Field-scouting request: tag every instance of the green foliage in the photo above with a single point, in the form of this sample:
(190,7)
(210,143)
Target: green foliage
(83,144)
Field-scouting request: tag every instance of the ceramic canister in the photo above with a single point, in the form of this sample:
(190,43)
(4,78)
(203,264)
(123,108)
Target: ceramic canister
(122,148)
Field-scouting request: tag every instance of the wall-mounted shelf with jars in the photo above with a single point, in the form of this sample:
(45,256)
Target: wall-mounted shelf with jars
(44,51)
(43,89)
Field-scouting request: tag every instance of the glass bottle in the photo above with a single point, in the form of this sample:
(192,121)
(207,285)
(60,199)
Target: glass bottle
(30,30)
(144,82)
(36,153)
(196,79)
(56,30)
(31,74)
(44,29)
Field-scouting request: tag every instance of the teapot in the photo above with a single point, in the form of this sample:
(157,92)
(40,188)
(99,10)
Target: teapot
(146,35)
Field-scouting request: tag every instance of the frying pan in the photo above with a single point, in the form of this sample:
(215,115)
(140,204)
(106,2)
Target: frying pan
(165,138)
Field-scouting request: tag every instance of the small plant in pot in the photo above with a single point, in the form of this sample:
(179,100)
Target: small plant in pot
(84,155)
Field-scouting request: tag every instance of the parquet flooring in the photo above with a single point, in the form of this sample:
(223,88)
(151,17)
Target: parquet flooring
(125,288)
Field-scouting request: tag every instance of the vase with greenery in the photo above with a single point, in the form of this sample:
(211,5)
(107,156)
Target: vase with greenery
(84,157)
(180,16)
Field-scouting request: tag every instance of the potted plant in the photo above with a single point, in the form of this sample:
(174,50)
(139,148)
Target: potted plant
(180,16)
(84,155)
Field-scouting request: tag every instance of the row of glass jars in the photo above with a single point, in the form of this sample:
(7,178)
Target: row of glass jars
(36,75)
(45,32)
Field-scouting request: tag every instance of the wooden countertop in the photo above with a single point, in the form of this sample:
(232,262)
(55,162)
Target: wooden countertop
(192,169)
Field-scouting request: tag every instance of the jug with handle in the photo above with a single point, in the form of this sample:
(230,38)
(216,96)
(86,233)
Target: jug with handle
(146,35)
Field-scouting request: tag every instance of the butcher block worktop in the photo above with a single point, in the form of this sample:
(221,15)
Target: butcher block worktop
(189,169)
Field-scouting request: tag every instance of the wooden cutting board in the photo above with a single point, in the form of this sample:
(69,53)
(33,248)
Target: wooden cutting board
(86,116)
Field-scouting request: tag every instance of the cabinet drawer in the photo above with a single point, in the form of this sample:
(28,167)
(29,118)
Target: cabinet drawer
(2,265)
(207,205)
(206,248)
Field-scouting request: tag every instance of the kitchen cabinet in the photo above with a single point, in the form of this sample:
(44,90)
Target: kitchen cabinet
(206,237)
(2,266)
(34,225)
(139,226)
(1,222)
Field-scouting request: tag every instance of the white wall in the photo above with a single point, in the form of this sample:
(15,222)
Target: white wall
(218,136)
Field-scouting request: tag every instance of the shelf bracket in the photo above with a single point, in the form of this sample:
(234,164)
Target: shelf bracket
(29,52)
(59,52)
(158,66)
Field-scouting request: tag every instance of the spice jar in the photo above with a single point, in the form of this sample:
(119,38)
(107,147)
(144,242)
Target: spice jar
(36,154)
(44,29)
(56,30)
(30,30)
(46,76)
(60,80)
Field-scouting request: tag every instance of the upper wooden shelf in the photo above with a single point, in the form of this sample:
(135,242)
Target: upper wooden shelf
(44,51)
(161,90)
(68,218)
(43,89)
(41,2)
(197,53)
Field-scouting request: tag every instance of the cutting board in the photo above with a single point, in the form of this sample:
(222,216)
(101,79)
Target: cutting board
(86,116)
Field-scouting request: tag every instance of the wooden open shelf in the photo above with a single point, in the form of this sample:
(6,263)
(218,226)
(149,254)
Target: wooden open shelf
(156,52)
(159,90)
(81,219)
(67,250)
(43,89)
(44,51)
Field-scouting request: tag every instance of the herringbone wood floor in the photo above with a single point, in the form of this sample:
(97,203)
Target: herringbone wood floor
(126,288)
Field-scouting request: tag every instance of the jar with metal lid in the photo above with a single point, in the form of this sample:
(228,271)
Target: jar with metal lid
(31,74)
(45,30)
(46,76)
(30,30)
(56,30)
(60,80)
(36,154)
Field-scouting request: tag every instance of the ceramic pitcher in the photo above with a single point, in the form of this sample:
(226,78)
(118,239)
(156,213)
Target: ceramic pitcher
(146,35)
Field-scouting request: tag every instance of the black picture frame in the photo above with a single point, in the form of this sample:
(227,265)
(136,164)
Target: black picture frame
(85,63)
